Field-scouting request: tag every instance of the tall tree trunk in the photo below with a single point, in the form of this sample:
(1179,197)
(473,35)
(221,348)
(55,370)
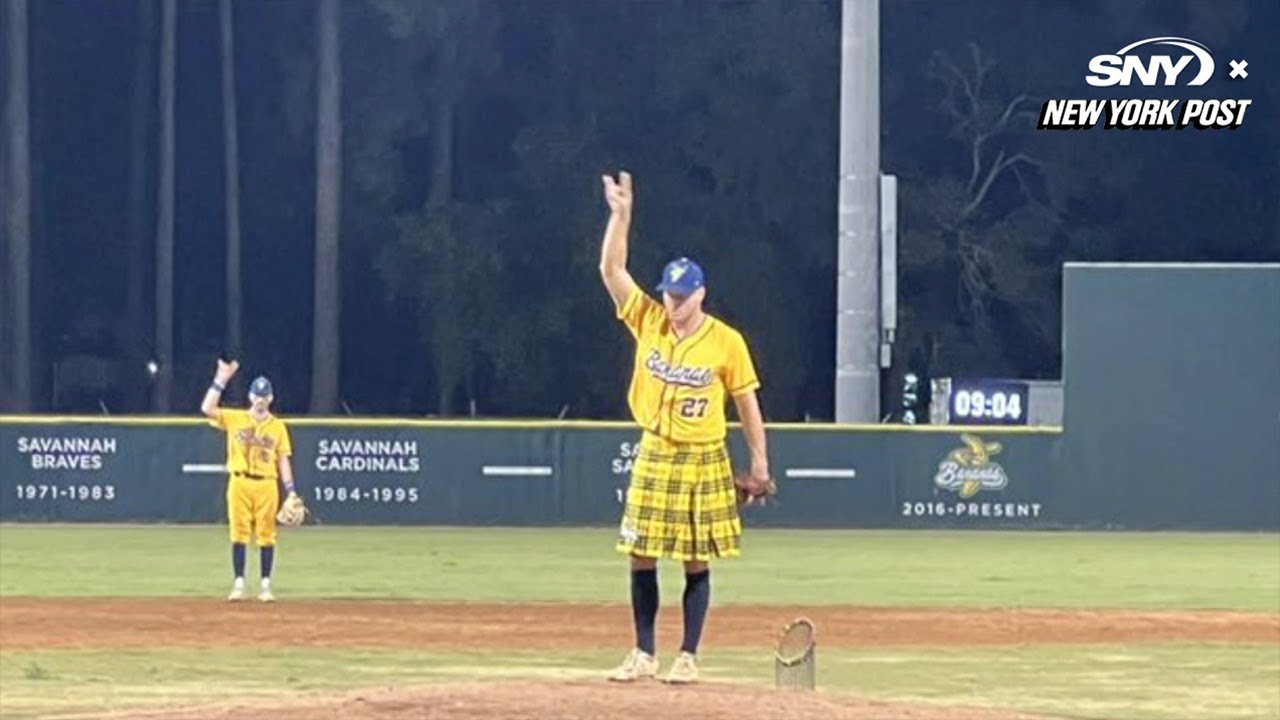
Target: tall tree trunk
(447,349)
(6,381)
(443,403)
(165,201)
(231,172)
(325,347)
(445,344)
(18,189)
(139,124)
(442,122)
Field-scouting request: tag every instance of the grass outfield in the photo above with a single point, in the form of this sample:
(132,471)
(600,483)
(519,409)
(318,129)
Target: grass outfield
(1141,681)
(795,567)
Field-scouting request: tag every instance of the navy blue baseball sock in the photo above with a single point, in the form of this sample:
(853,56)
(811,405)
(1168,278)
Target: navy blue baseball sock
(697,596)
(237,559)
(644,606)
(267,554)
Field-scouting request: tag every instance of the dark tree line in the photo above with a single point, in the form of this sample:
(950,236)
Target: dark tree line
(391,206)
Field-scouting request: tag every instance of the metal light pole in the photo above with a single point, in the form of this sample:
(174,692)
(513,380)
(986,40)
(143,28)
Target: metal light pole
(857,385)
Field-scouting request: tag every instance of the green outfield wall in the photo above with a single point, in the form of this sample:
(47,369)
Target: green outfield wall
(524,474)
(1171,375)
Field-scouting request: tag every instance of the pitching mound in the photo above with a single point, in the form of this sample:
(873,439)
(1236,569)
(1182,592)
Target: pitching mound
(584,700)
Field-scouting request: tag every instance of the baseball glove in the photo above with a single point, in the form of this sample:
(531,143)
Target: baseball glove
(292,511)
(752,490)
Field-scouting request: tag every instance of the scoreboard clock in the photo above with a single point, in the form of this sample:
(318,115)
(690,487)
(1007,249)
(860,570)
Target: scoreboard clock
(984,401)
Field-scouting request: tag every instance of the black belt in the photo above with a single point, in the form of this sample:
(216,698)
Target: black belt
(251,476)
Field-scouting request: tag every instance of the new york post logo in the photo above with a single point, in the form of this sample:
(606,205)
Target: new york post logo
(970,469)
(1154,62)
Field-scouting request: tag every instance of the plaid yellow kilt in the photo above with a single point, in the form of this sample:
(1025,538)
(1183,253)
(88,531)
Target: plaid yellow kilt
(681,503)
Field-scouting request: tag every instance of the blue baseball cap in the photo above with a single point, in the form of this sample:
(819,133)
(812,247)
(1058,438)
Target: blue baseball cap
(681,276)
(261,387)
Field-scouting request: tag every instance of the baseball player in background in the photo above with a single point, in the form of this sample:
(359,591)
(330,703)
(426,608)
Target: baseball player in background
(258,451)
(682,501)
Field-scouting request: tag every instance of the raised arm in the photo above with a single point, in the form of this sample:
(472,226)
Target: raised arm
(226,370)
(613,251)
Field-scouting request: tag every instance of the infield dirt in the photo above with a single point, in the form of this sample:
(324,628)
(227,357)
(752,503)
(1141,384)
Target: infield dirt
(85,623)
(52,623)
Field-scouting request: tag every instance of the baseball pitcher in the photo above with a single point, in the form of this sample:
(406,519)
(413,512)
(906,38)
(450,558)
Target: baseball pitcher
(682,500)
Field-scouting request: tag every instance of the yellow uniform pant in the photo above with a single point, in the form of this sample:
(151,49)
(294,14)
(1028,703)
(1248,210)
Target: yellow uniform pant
(251,508)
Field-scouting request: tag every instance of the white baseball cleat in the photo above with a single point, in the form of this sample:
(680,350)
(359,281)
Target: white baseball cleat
(237,591)
(637,664)
(684,671)
(265,595)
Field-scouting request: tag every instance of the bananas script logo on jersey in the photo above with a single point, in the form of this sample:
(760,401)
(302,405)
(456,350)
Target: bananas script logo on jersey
(968,470)
(1153,62)
(249,438)
(695,377)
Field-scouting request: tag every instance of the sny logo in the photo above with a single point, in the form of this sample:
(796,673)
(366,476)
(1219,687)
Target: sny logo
(1119,69)
(1126,67)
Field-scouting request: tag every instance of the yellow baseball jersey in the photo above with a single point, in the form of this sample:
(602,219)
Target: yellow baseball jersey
(679,386)
(254,448)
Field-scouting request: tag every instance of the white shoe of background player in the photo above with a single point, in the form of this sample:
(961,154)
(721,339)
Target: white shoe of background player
(237,590)
(265,595)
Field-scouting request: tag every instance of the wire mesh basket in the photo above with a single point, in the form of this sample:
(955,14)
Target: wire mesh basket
(795,663)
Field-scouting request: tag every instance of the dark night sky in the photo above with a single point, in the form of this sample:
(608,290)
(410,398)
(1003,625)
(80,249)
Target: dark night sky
(82,66)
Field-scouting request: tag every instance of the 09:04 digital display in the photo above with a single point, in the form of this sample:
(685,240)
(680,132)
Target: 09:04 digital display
(989,402)
(976,403)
